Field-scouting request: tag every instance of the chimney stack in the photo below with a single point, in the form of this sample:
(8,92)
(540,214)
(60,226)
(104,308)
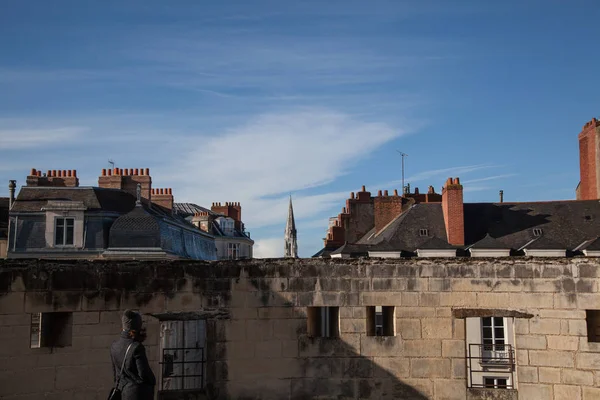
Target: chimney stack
(127,180)
(232,210)
(12,184)
(452,206)
(589,163)
(162,197)
(54,178)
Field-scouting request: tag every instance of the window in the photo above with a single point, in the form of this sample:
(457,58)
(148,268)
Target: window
(380,321)
(63,231)
(323,321)
(51,329)
(494,382)
(490,352)
(592,319)
(537,232)
(182,346)
(423,232)
(233,251)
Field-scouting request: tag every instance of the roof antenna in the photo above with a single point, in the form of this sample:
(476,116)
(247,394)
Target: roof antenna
(403,155)
(111,162)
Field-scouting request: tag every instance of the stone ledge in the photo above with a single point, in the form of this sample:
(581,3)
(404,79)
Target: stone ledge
(488,312)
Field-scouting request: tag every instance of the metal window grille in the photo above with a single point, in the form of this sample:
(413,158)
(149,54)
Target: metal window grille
(488,359)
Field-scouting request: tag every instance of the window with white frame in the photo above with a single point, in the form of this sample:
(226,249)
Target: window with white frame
(183,354)
(490,352)
(495,382)
(233,251)
(64,229)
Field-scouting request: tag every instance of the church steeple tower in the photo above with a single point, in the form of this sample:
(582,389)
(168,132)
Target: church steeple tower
(291,245)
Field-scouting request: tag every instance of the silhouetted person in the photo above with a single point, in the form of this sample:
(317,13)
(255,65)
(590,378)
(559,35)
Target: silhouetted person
(137,381)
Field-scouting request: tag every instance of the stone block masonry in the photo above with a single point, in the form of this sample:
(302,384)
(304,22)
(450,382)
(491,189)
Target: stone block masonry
(257,330)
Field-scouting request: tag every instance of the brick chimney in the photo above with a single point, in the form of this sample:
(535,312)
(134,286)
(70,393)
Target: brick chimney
(589,165)
(452,206)
(55,178)
(386,208)
(162,197)
(230,209)
(203,220)
(127,179)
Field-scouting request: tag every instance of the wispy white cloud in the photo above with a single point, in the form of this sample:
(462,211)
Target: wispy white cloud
(487,178)
(261,162)
(14,139)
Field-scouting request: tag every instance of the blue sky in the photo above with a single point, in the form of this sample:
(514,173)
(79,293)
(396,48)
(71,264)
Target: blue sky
(253,100)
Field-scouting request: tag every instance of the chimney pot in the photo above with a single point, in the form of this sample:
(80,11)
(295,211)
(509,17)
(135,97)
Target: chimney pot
(39,173)
(147,171)
(385,193)
(70,173)
(351,195)
(379,193)
(33,172)
(49,173)
(64,173)
(116,171)
(416,190)
(171,191)
(502,196)
(395,192)
(363,189)
(136,172)
(121,171)
(103,171)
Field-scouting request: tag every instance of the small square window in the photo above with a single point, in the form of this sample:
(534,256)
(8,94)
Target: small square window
(323,321)
(64,231)
(423,232)
(51,329)
(380,321)
(537,232)
(495,382)
(592,319)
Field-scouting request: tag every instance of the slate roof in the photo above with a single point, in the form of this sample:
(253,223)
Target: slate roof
(404,232)
(4,201)
(544,243)
(32,199)
(435,243)
(354,250)
(489,242)
(568,224)
(189,209)
(138,228)
(592,244)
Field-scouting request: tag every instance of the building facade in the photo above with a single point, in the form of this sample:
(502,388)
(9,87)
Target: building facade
(123,217)
(468,328)
(224,223)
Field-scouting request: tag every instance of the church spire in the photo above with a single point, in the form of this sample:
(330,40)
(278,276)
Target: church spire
(291,245)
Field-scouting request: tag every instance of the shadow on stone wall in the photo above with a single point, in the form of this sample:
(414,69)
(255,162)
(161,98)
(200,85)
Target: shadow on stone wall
(323,368)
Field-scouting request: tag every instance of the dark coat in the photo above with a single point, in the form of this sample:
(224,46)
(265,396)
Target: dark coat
(138,381)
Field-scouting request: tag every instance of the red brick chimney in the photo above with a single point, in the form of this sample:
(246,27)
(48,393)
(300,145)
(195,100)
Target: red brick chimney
(452,206)
(56,178)
(162,197)
(589,165)
(230,209)
(386,208)
(127,179)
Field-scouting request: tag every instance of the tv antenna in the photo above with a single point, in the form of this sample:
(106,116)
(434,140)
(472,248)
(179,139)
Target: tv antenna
(403,155)
(111,162)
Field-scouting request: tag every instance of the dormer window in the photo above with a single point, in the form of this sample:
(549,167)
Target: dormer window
(423,232)
(537,232)
(64,231)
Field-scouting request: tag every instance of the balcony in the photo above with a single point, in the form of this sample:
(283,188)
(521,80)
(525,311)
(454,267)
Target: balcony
(491,366)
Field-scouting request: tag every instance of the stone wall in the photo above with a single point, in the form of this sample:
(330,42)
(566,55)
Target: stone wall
(257,341)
